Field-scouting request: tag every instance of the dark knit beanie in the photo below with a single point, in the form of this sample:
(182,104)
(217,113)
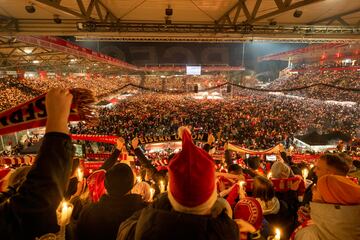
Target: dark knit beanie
(119,180)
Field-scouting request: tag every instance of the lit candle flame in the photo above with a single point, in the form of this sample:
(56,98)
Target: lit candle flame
(269,175)
(311,166)
(138,179)
(80,175)
(64,213)
(277,234)
(162,186)
(152,192)
(305,173)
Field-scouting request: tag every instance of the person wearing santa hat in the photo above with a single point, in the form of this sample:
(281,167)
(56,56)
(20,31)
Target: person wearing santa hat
(190,209)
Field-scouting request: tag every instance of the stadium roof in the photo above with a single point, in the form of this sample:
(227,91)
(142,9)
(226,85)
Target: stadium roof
(317,53)
(187,20)
(56,54)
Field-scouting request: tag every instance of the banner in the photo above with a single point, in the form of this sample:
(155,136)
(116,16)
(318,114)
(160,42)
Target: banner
(33,114)
(308,158)
(143,140)
(95,138)
(24,159)
(169,138)
(274,150)
(28,115)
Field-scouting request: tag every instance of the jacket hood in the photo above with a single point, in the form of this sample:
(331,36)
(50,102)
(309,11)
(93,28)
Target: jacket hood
(160,222)
(336,221)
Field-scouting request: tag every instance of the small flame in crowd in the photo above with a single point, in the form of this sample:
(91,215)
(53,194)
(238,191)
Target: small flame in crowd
(277,234)
(80,174)
(152,192)
(305,173)
(138,179)
(162,186)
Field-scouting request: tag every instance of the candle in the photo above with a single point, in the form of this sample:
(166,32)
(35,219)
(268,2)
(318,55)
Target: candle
(305,173)
(80,175)
(242,193)
(311,166)
(162,186)
(152,192)
(269,175)
(138,179)
(277,234)
(64,213)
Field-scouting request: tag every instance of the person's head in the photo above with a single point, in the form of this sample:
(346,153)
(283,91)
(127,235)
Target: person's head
(143,189)
(191,186)
(280,170)
(263,188)
(235,169)
(253,162)
(331,164)
(119,180)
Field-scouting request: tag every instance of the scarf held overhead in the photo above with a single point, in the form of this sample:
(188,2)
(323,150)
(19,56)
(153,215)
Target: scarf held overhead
(33,113)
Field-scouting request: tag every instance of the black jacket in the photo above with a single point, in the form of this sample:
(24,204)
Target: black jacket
(32,211)
(101,220)
(160,222)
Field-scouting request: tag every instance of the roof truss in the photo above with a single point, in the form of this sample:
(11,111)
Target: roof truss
(96,9)
(231,16)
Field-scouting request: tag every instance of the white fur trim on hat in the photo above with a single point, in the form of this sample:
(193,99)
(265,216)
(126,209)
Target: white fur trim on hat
(202,209)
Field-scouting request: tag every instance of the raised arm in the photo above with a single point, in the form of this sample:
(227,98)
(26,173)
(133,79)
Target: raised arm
(144,161)
(108,163)
(32,212)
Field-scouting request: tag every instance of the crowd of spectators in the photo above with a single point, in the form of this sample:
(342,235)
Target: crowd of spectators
(253,120)
(341,79)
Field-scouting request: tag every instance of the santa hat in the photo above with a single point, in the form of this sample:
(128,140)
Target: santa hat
(249,209)
(192,179)
(337,190)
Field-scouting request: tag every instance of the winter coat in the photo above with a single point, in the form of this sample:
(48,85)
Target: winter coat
(32,211)
(101,220)
(160,222)
(332,222)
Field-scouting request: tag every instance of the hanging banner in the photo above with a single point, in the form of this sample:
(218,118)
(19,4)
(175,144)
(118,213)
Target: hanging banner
(143,140)
(33,114)
(170,138)
(274,150)
(24,159)
(95,138)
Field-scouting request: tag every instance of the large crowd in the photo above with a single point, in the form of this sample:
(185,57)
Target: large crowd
(253,120)
(341,79)
(248,198)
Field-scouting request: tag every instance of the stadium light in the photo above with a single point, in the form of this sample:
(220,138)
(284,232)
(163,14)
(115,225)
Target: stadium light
(28,50)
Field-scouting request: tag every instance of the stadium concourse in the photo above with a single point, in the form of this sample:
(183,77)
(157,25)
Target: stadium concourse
(209,120)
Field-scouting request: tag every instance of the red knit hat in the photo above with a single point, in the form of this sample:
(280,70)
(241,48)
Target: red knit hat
(249,209)
(192,178)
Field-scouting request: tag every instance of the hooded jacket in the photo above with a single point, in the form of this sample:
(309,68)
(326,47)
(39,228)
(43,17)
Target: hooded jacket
(332,222)
(159,221)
